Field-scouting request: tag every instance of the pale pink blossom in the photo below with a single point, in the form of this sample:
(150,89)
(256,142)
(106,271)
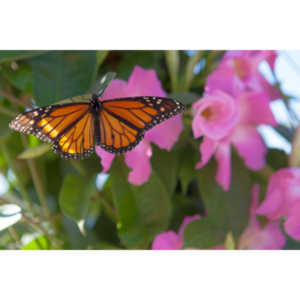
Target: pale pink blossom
(283,200)
(142,83)
(225,121)
(236,100)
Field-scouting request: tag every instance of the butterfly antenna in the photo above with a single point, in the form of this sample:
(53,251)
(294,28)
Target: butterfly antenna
(105,81)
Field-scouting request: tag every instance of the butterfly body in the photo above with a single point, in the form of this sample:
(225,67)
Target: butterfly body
(116,125)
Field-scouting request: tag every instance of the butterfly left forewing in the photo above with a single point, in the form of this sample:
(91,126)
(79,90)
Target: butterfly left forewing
(27,123)
(48,122)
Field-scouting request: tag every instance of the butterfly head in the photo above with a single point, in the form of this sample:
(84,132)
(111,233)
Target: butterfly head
(95,103)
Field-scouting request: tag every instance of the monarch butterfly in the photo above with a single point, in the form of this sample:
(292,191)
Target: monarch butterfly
(117,125)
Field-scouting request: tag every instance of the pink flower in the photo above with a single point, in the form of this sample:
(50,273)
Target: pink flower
(142,83)
(171,240)
(215,115)
(257,237)
(283,200)
(238,72)
(224,120)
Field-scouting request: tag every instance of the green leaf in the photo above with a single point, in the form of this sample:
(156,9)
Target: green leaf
(34,151)
(154,205)
(62,74)
(75,194)
(227,211)
(166,164)
(101,55)
(11,55)
(187,171)
(4,121)
(185,98)
(69,232)
(21,77)
(203,234)
(277,159)
(39,243)
(143,211)
(144,59)
(130,224)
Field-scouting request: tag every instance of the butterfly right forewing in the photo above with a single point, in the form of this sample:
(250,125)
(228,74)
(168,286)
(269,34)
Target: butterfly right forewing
(123,122)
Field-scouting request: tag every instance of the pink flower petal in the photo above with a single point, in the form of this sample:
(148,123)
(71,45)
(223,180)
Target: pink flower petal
(268,238)
(106,158)
(166,134)
(273,236)
(272,206)
(292,224)
(260,55)
(167,241)
(207,150)
(250,146)
(255,109)
(256,237)
(138,160)
(116,89)
(258,83)
(144,83)
(277,202)
(186,221)
(224,79)
(223,157)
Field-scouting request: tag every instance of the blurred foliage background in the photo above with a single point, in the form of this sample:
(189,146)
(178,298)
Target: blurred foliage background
(51,203)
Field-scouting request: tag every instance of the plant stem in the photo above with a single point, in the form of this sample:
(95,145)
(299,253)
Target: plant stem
(14,234)
(7,112)
(34,223)
(110,210)
(38,185)
(189,73)
(12,98)
(172,60)
(265,173)
(37,226)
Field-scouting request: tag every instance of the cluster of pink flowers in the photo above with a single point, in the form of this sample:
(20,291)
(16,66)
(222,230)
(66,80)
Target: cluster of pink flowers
(236,100)
(142,83)
(254,236)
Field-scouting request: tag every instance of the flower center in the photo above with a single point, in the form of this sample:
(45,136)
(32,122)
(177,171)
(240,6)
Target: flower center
(207,113)
(240,68)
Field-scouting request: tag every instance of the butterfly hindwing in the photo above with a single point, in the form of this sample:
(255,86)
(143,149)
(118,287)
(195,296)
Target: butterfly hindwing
(77,141)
